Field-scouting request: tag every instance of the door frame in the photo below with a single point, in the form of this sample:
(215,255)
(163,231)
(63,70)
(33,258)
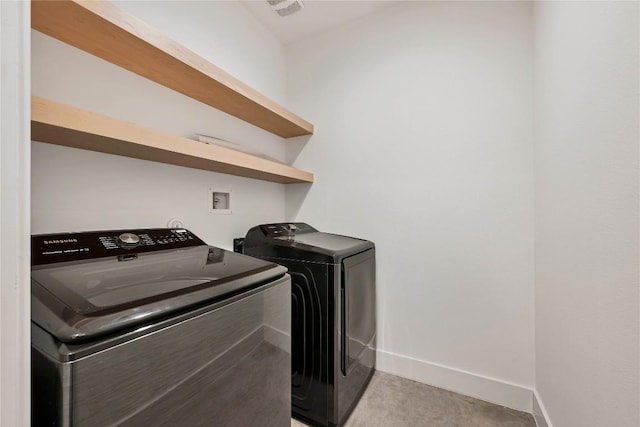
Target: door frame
(15,217)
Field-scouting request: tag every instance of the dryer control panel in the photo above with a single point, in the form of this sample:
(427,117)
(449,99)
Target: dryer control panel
(286,229)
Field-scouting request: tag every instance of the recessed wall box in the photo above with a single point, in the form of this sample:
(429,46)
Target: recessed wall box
(220,201)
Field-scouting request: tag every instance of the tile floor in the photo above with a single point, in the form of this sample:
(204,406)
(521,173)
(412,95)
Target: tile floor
(392,401)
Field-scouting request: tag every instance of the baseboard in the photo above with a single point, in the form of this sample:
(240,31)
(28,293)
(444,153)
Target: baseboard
(539,412)
(484,388)
(277,337)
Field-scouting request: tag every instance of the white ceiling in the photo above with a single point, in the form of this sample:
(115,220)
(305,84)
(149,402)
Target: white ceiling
(316,17)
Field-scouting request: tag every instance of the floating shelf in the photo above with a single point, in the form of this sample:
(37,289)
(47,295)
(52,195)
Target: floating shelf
(103,30)
(62,124)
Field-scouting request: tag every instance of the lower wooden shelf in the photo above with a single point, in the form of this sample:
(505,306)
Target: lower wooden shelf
(61,124)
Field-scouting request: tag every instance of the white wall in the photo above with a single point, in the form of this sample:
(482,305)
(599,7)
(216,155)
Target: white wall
(80,190)
(15,291)
(423,144)
(586,156)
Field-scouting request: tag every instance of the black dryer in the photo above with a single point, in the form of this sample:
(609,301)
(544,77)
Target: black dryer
(333,315)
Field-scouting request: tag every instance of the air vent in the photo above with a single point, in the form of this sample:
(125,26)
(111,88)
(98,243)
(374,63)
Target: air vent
(286,7)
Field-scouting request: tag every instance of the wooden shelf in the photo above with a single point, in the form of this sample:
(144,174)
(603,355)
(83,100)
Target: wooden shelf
(103,30)
(62,124)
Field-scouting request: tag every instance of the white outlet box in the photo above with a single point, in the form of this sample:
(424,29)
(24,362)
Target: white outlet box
(220,202)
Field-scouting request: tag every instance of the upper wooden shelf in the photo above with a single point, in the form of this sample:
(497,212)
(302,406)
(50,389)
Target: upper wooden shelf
(62,124)
(103,30)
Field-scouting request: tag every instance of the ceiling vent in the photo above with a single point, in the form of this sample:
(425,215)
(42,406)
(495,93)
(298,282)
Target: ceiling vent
(286,7)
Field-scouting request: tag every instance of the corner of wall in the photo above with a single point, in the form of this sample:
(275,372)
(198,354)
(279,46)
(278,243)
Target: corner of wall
(539,411)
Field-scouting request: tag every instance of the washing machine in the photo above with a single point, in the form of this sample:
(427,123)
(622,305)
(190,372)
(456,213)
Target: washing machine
(333,315)
(153,327)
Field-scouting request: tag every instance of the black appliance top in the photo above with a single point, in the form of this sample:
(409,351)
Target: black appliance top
(298,240)
(92,283)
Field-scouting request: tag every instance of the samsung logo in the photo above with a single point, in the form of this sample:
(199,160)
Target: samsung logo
(51,242)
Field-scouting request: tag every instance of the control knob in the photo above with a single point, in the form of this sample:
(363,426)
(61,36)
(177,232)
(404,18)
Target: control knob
(128,240)
(291,228)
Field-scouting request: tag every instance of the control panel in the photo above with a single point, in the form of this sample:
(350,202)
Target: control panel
(50,248)
(286,229)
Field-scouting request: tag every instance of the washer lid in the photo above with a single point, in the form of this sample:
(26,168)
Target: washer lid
(77,300)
